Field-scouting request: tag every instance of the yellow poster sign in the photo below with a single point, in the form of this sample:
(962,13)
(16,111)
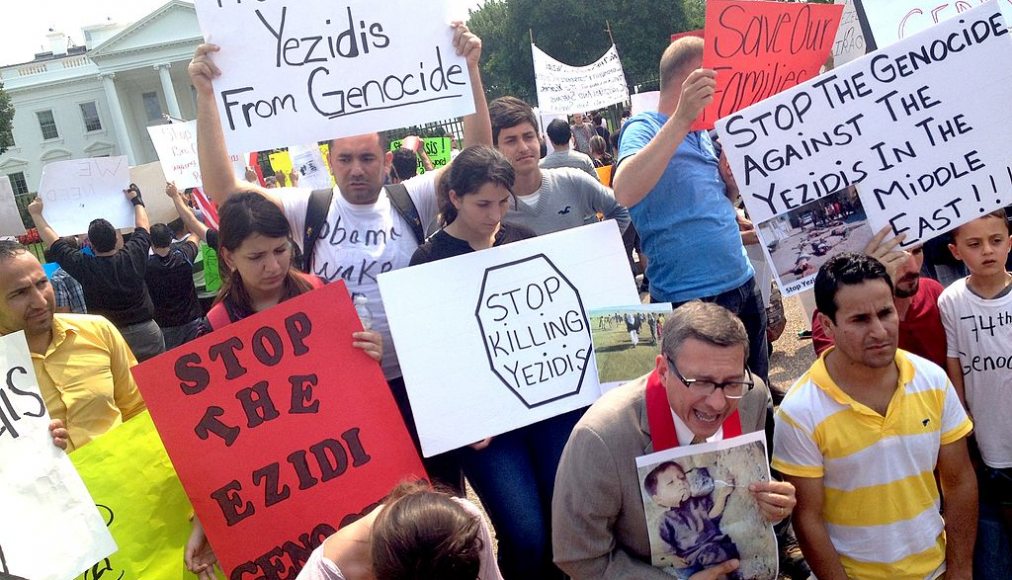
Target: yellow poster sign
(281,162)
(136,489)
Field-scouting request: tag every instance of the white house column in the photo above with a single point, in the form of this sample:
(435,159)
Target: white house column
(169,90)
(118,121)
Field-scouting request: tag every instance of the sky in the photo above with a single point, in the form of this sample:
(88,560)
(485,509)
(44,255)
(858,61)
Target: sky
(29,22)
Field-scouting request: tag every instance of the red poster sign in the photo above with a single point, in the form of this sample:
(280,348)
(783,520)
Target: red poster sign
(761,48)
(279,430)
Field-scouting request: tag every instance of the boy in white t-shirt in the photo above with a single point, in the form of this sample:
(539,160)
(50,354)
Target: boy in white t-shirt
(977,315)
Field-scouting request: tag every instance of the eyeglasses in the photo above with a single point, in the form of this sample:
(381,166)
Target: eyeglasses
(703,388)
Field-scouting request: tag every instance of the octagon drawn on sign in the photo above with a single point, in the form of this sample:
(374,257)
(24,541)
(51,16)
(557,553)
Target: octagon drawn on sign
(535,330)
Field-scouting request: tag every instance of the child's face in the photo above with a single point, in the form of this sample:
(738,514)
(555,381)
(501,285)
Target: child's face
(672,488)
(983,245)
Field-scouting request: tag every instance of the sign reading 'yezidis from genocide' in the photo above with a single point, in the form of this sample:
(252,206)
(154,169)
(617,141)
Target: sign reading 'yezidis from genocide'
(312,70)
(495,340)
(565,89)
(927,153)
(280,430)
(761,48)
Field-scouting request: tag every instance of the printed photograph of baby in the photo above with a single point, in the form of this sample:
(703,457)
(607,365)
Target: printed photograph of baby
(699,511)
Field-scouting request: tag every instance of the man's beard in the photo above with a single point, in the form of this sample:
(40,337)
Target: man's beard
(908,290)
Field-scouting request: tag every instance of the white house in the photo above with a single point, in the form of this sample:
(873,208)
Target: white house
(98,99)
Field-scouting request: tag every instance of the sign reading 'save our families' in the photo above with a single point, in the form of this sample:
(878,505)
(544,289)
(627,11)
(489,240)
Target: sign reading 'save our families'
(495,340)
(894,123)
(761,48)
(298,72)
(280,430)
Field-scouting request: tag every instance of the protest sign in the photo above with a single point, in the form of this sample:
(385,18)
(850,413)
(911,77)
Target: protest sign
(51,528)
(297,433)
(176,146)
(495,340)
(644,102)
(10,216)
(708,484)
(894,124)
(308,161)
(77,191)
(281,162)
(150,179)
(761,48)
(569,89)
(137,491)
(437,148)
(893,20)
(849,42)
(311,71)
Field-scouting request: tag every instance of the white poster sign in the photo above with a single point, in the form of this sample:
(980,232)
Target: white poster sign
(52,529)
(308,161)
(644,102)
(150,179)
(299,72)
(10,217)
(893,123)
(569,89)
(77,191)
(892,20)
(849,41)
(495,340)
(176,145)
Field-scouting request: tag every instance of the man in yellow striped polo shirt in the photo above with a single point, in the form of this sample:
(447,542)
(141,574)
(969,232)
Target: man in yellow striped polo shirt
(860,436)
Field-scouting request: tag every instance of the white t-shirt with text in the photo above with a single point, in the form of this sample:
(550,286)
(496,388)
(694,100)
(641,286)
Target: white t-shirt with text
(357,243)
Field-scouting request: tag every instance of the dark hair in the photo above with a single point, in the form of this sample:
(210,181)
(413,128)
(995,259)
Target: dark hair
(997,214)
(598,145)
(102,235)
(650,482)
(161,236)
(178,227)
(846,269)
(384,142)
(626,113)
(11,248)
(506,112)
(405,164)
(597,119)
(71,241)
(423,534)
(559,132)
(243,215)
(471,169)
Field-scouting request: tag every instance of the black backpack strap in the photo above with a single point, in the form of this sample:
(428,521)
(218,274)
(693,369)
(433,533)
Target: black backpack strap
(316,215)
(401,201)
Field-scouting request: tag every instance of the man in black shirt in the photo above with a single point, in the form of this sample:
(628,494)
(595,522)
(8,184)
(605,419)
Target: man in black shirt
(112,279)
(170,282)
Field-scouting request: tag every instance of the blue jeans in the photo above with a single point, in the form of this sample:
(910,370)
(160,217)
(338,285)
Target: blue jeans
(514,477)
(747,303)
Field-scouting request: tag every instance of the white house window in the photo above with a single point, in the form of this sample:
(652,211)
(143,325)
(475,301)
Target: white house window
(48,124)
(18,183)
(89,112)
(152,106)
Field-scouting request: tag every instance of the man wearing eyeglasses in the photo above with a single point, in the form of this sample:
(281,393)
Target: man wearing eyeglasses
(700,390)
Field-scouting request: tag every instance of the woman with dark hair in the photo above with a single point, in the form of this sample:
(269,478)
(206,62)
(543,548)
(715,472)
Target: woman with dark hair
(512,473)
(417,534)
(255,250)
(473,199)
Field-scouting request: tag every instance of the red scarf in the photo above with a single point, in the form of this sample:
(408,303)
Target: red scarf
(662,424)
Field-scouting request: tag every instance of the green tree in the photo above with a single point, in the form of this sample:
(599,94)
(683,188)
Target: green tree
(576,33)
(6,121)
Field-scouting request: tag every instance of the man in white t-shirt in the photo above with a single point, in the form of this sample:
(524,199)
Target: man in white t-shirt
(363,234)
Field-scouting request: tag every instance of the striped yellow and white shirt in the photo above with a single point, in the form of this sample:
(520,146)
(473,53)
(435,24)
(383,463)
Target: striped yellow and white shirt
(881,502)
